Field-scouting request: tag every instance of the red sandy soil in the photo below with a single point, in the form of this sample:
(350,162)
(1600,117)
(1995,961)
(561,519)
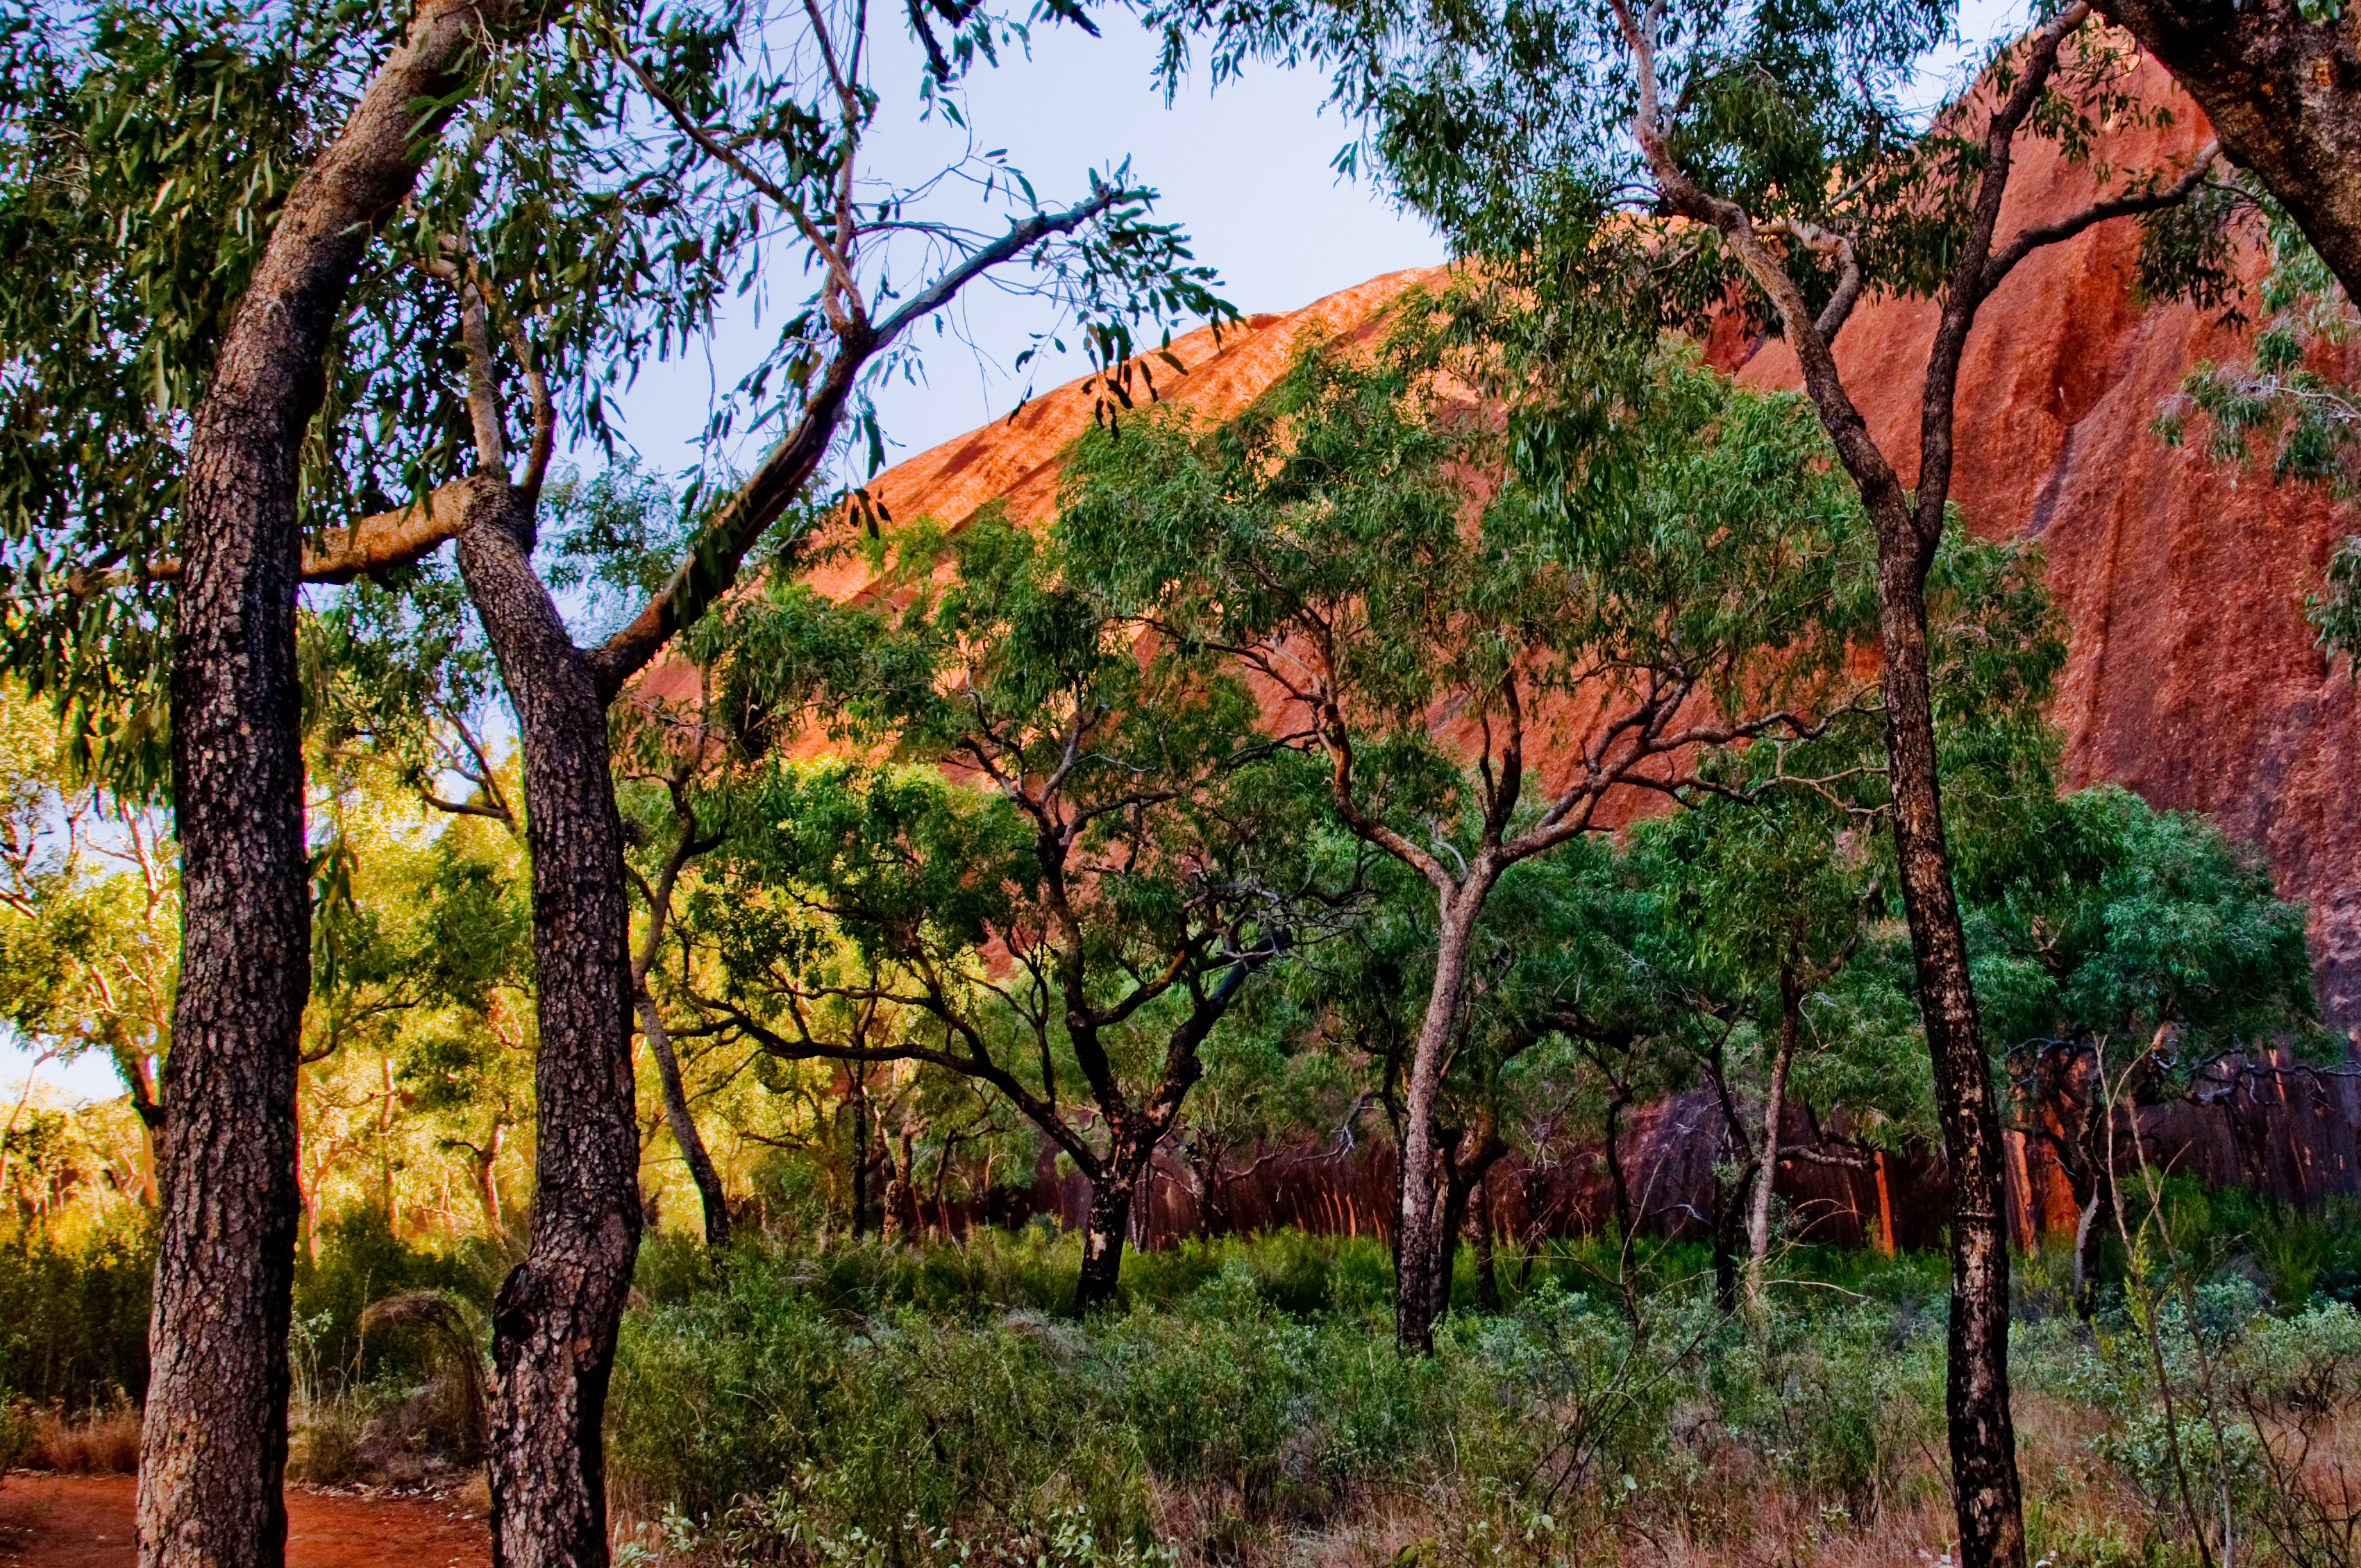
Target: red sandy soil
(84,1521)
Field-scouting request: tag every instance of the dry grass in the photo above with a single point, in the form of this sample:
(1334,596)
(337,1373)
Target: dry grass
(103,1441)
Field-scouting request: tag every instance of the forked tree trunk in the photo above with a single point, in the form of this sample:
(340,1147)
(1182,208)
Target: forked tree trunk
(214,1439)
(684,1135)
(555,1321)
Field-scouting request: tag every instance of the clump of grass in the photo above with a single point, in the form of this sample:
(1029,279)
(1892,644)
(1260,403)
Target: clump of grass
(102,1440)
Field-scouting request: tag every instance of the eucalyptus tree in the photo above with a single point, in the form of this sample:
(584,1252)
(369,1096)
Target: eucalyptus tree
(1698,582)
(1763,159)
(1766,902)
(89,918)
(591,197)
(534,237)
(1071,858)
(1777,898)
(189,193)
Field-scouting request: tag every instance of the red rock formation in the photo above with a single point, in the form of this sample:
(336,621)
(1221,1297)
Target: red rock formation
(2192,676)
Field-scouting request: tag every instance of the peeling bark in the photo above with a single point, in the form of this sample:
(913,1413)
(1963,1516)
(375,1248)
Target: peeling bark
(1108,1222)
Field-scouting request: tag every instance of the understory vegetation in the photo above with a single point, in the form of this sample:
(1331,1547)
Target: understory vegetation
(869,1405)
(802,1400)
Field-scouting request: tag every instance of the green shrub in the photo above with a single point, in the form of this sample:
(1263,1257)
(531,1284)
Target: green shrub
(360,1262)
(73,1312)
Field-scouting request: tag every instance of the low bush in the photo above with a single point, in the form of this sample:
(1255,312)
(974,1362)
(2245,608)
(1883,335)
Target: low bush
(857,1403)
(103,1439)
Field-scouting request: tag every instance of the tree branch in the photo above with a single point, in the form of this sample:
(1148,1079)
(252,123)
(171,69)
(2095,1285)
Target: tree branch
(720,547)
(2131,203)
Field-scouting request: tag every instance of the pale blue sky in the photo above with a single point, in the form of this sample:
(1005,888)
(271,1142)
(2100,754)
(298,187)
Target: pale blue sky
(1244,172)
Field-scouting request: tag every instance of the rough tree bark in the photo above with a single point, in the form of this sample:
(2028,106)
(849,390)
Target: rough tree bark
(1985,1491)
(214,1440)
(2284,95)
(1104,1229)
(555,1321)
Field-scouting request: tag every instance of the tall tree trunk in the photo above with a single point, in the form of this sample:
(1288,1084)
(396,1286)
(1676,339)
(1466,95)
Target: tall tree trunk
(1775,1107)
(386,1162)
(213,1437)
(555,1321)
(1420,1239)
(1983,1435)
(1104,1230)
(212,1445)
(1729,1222)
(684,1135)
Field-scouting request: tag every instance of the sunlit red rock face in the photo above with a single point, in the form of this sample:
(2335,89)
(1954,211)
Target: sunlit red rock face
(2191,677)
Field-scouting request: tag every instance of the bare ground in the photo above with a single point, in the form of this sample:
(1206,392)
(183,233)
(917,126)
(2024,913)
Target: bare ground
(84,1521)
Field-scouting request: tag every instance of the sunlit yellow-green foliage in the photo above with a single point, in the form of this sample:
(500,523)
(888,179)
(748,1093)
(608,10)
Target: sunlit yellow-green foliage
(791,1132)
(416,1085)
(88,946)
